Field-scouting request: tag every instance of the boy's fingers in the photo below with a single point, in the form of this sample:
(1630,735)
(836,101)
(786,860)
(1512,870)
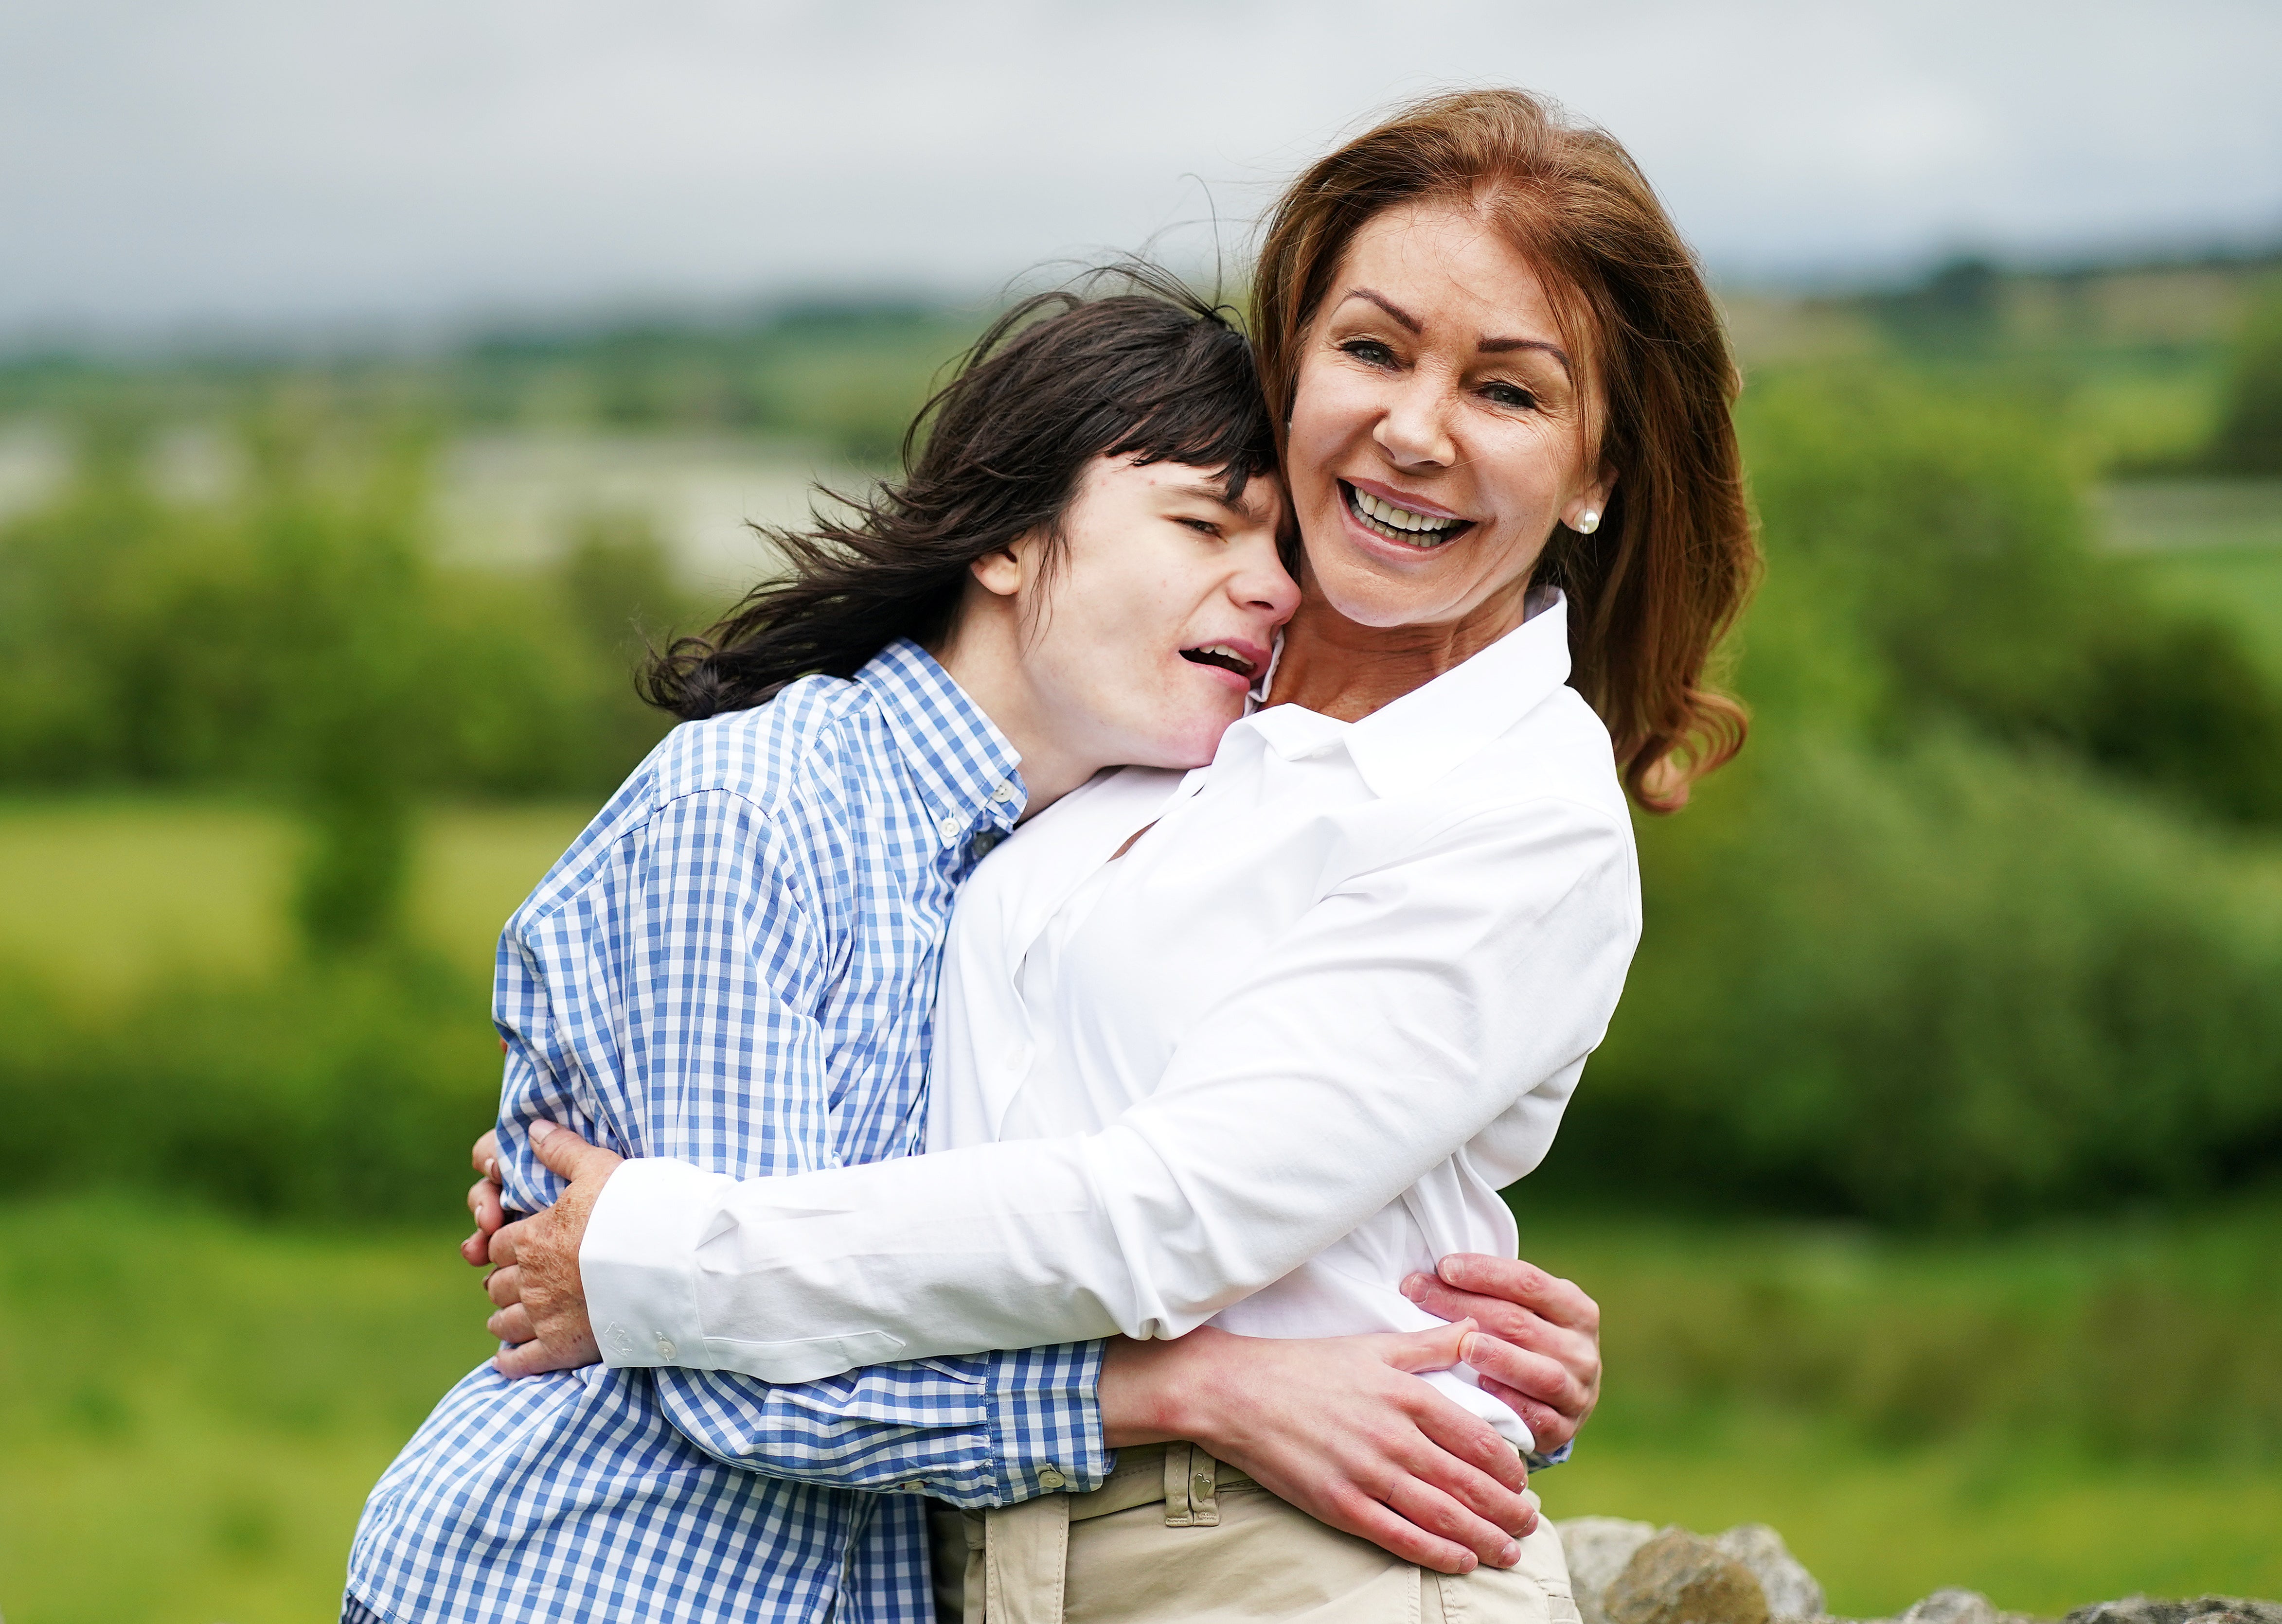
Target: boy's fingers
(1467,1437)
(1390,1530)
(1512,1280)
(1423,1350)
(1545,1379)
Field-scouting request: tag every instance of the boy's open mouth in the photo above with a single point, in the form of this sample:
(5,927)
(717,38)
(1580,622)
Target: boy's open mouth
(1222,656)
(1381,517)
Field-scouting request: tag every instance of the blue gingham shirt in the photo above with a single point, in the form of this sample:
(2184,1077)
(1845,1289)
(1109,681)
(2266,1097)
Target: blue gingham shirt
(735,965)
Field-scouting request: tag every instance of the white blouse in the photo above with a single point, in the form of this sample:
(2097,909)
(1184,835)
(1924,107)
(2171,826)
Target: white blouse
(1283,1052)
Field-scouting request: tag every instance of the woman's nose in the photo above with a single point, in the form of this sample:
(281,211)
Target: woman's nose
(1415,429)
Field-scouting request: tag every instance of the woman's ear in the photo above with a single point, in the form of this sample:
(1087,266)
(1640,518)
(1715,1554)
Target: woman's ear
(1605,486)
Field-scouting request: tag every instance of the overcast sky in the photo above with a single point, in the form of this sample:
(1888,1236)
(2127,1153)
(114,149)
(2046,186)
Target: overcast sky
(297,161)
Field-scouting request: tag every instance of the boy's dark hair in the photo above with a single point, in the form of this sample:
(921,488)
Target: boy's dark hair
(1157,374)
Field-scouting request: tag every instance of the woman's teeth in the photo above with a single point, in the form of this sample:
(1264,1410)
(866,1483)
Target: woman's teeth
(1416,530)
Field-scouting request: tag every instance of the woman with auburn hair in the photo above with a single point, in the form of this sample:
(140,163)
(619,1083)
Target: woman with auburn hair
(1237,1054)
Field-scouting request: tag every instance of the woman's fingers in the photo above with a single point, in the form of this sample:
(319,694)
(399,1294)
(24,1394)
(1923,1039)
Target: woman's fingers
(486,1154)
(504,1286)
(563,1152)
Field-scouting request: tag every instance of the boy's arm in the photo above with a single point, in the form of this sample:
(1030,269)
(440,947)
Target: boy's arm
(680,984)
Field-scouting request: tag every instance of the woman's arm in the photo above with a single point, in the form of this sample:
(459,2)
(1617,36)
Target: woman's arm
(1400,1018)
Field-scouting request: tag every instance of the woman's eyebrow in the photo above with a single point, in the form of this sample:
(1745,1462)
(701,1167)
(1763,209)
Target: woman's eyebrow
(1410,324)
(1487,347)
(1501,346)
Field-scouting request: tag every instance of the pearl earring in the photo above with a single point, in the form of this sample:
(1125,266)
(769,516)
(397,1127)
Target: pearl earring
(1588,522)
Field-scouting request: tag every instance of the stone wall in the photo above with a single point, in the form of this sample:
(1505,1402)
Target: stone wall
(1634,1573)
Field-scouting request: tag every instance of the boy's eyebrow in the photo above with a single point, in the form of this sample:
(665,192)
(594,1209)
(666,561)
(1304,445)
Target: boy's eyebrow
(1206,491)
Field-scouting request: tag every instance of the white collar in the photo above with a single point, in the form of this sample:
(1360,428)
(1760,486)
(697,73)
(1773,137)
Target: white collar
(1416,739)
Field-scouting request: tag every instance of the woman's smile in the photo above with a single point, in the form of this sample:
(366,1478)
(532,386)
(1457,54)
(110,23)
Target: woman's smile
(1409,521)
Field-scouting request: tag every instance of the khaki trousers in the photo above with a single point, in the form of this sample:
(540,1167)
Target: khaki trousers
(1173,1534)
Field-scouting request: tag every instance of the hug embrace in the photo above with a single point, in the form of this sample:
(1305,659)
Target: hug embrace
(1189,806)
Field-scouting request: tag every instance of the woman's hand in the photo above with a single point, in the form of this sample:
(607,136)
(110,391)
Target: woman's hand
(540,1295)
(1341,1428)
(486,1202)
(1542,1352)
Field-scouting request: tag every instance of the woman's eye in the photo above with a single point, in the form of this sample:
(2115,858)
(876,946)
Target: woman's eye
(1368,350)
(1203,527)
(1508,395)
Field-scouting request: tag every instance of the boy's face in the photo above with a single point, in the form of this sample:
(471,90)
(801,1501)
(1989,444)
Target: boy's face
(1141,637)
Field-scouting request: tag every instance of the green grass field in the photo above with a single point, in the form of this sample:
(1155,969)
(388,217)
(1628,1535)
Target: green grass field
(2210,545)
(192,1407)
(100,896)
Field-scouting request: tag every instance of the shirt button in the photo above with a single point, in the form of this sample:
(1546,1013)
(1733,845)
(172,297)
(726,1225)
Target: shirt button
(1051,1477)
(1003,793)
(949,829)
(664,1347)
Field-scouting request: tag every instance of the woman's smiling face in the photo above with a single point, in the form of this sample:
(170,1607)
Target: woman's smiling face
(1441,425)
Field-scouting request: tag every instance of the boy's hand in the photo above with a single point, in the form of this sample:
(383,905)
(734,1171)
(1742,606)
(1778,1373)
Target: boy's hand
(1341,1428)
(535,1283)
(1542,1352)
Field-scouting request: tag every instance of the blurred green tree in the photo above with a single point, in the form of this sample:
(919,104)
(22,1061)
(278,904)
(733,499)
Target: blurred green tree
(2249,436)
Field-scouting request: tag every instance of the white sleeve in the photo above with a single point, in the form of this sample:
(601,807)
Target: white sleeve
(1403,1014)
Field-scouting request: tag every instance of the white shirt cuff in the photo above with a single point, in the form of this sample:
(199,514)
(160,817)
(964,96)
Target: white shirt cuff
(638,1261)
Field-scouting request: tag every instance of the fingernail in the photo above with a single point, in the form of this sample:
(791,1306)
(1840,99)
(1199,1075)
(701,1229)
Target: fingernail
(491,1167)
(539,1130)
(1466,1350)
(1448,1270)
(1414,1287)
(1511,1555)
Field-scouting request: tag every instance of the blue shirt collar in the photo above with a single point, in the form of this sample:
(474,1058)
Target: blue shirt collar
(962,763)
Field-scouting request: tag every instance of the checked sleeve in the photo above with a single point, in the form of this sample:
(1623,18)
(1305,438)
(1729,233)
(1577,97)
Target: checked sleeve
(665,1004)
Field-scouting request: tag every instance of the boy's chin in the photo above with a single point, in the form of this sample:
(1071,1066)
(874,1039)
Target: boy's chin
(1192,742)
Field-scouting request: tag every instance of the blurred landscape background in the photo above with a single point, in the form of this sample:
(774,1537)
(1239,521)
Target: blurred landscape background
(1930,1178)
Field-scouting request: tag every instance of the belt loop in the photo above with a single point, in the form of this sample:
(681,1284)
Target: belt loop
(1192,1480)
(1026,1561)
(1204,1473)
(1178,1514)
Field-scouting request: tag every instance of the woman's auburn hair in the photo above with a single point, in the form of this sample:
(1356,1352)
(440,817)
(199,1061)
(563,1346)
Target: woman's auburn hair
(1653,590)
